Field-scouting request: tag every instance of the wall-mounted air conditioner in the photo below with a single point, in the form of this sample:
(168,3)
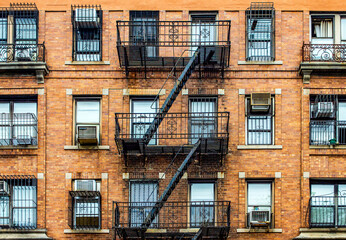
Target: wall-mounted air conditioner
(323,109)
(4,189)
(260,102)
(87,135)
(259,219)
(85,185)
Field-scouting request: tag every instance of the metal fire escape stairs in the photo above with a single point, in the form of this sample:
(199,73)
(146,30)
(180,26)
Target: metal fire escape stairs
(180,83)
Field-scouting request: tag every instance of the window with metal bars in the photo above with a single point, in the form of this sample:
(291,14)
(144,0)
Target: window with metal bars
(327,119)
(327,204)
(18,121)
(85,205)
(19,33)
(87,33)
(143,196)
(260,32)
(144,31)
(259,124)
(18,202)
(202,118)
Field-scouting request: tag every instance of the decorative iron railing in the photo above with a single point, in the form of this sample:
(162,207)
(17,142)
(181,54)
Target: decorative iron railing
(324,52)
(327,212)
(22,53)
(18,129)
(174,215)
(162,43)
(182,128)
(327,132)
(18,201)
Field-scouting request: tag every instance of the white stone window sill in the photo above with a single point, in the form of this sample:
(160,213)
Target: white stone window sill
(87,63)
(260,63)
(19,147)
(100,231)
(259,230)
(259,147)
(76,147)
(327,146)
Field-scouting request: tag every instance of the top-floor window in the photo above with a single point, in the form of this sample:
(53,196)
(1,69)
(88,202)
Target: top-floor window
(260,32)
(19,33)
(87,33)
(144,31)
(327,119)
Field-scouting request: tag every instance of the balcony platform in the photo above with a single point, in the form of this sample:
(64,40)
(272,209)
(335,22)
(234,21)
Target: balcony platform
(207,232)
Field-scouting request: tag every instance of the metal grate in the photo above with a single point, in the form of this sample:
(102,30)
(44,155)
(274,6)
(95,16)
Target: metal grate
(19,34)
(18,202)
(87,32)
(84,210)
(260,32)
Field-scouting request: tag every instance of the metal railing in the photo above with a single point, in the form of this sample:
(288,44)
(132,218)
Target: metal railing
(327,132)
(327,212)
(18,129)
(18,202)
(84,210)
(160,43)
(259,130)
(174,215)
(324,53)
(175,126)
(22,53)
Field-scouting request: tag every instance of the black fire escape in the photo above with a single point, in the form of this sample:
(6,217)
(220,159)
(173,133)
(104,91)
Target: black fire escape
(193,46)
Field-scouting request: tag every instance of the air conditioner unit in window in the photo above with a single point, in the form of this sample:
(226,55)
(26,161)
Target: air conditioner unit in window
(87,135)
(259,218)
(85,185)
(323,109)
(86,15)
(23,140)
(25,53)
(260,102)
(4,189)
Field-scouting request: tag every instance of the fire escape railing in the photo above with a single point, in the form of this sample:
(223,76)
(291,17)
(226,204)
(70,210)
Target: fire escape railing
(324,53)
(173,215)
(327,211)
(160,43)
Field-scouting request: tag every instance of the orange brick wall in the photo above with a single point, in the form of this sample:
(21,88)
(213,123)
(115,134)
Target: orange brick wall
(55,117)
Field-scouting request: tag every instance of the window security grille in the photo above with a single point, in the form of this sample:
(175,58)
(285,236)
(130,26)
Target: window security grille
(327,119)
(18,202)
(87,33)
(260,32)
(19,33)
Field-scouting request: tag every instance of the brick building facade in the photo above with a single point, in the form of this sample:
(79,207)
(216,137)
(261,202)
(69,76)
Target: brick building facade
(268,171)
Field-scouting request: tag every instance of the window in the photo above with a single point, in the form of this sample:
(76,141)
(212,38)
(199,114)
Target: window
(18,121)
(203,30)
(143,196)
(327,119)
(322,30)
(145,31)
(328,204)
(18,202)
(87,33)
(87,121)
(143,111)
(343,30)
(202,118)
(260,33)
(85,205)
(202,199)
(259,203)
(260,120)
(22,21)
